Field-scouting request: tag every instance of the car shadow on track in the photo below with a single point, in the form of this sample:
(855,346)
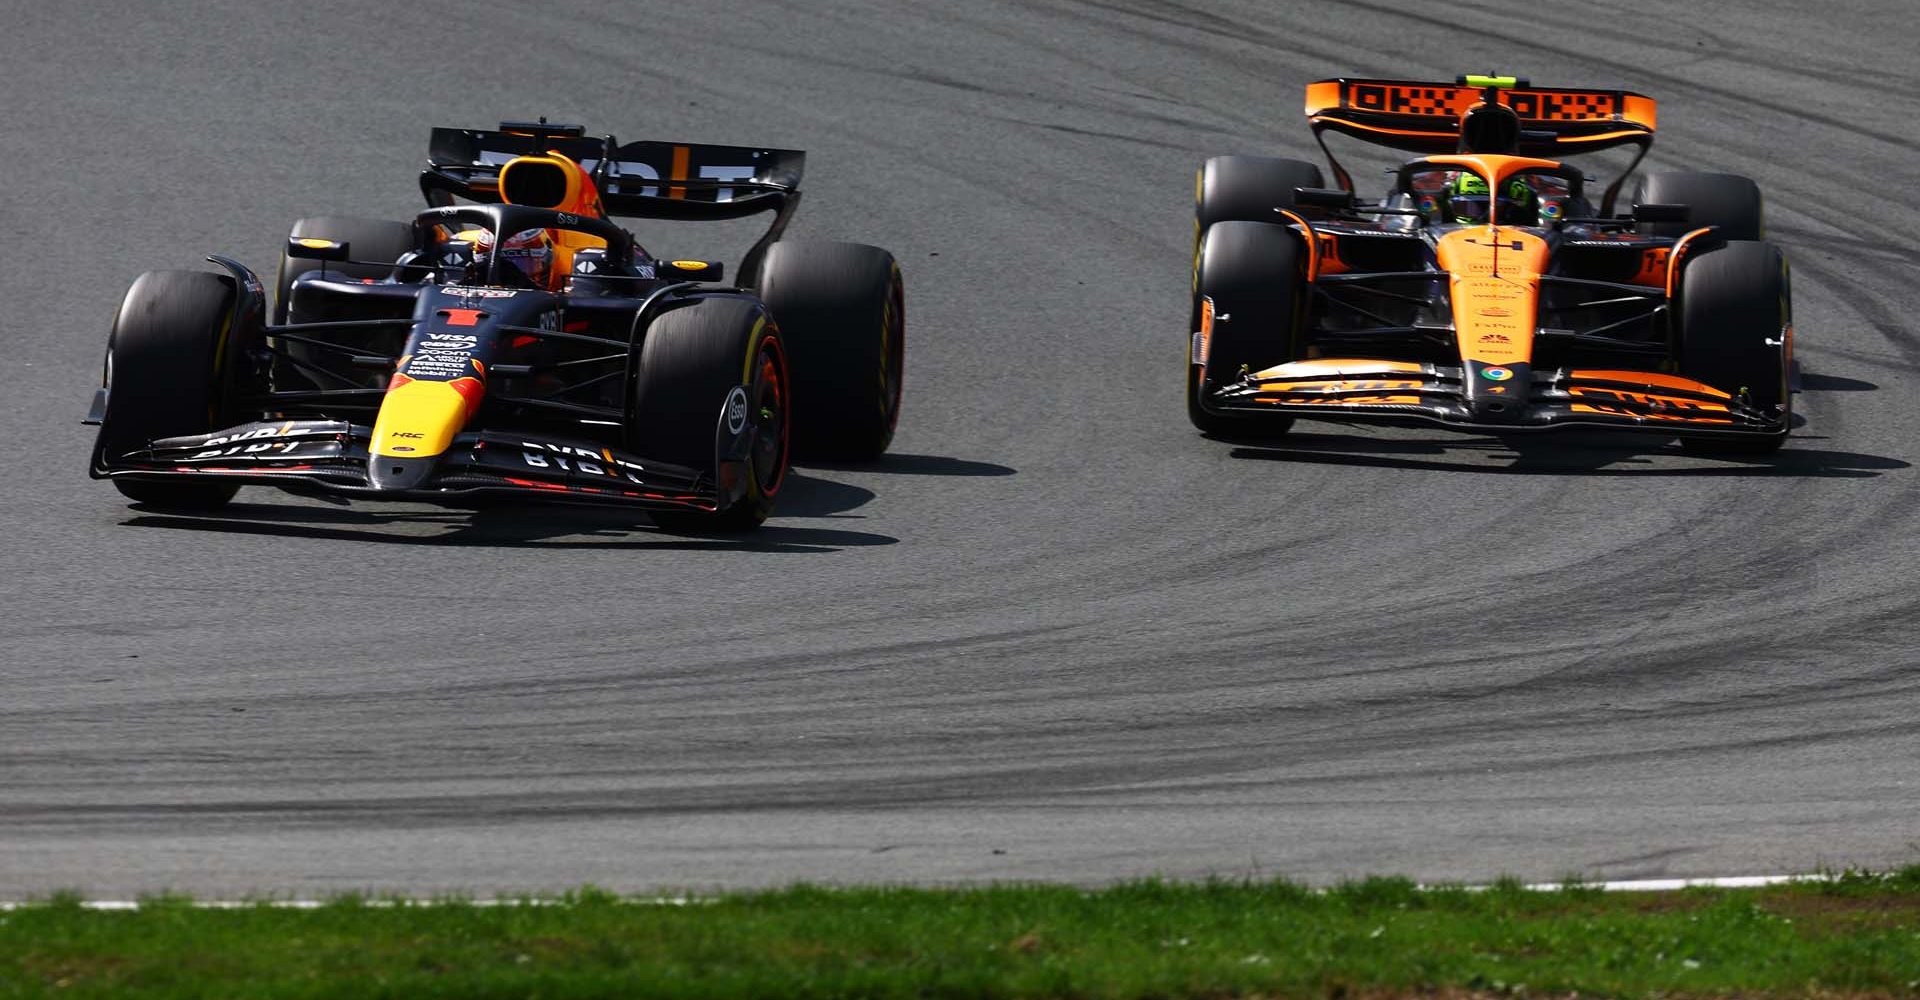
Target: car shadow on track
(917,465)
(536,526)
(1571,454)
(1818,382)
(811,496)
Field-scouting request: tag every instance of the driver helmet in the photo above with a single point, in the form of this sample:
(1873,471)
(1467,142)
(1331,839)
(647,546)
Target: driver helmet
(530,250)
(1467,201)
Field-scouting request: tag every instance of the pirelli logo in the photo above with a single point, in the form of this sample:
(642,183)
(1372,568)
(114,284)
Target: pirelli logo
(1450,102)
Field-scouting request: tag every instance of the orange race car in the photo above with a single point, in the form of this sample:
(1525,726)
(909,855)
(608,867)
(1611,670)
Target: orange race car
(1486,290)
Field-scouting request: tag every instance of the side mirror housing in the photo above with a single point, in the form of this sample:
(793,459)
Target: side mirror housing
(309,248)
(1334,198)
(1661,213)
(692,270)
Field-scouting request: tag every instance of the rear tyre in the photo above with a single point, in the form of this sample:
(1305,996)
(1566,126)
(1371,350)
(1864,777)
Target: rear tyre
(1729,201)
(1736,305)
(166,377)
(841,309)
(1252,273)
(366,239)
(692,360)
(1249,188)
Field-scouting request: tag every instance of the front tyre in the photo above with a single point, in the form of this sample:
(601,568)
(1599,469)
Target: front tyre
(842,312)
(1736,334)
(1250,275)
(686,408)
(166,376)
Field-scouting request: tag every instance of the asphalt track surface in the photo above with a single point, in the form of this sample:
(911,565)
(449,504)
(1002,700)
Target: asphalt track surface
(1056,634)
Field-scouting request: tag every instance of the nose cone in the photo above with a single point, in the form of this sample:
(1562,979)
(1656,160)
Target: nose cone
(1497,394)
(388,473)
(417,423)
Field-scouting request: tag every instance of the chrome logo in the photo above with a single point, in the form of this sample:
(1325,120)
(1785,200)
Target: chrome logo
(1496,374)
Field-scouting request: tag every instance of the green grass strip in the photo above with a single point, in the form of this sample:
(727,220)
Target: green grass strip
(1853,936)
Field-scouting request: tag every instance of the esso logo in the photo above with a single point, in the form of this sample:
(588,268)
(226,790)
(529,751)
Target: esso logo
(736,410)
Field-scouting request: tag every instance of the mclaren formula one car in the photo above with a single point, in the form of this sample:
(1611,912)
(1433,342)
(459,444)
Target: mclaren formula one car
(1487,290)
(513,340)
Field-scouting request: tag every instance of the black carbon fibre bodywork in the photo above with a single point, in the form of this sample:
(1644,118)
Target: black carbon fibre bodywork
(548,378)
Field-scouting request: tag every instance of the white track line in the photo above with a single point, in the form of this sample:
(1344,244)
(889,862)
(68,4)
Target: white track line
(314,904)
(1628,885)
(1671,884)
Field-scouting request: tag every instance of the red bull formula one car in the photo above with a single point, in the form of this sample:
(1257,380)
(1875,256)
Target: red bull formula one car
(1487,290)
(512,340)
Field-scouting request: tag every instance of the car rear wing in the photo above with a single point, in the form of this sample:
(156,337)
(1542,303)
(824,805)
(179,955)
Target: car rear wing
(1425,117)
(651,180)
(644,180)
(1428,117)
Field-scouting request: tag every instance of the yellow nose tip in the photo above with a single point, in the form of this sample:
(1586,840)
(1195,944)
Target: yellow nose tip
(418,419)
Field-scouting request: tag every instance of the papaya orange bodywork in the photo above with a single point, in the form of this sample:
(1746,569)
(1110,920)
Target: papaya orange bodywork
(1342,385)
(1494,275)
(1648,379)
(1339,400)
(1673,258)
(1333,368)
(1443,101)
(1494,272)
(1308,237)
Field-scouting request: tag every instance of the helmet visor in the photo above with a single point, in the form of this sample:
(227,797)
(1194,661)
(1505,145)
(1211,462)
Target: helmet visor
(1469,208)
(1472,209)
(532,252)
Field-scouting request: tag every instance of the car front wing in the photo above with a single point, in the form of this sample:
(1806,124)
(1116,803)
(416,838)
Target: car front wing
(332,457)
(1494,398)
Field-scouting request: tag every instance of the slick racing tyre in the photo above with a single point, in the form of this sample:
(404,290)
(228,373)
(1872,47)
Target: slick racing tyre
(366,239)
(1729,201)
(841,309)
(1244,189)
(1249,188)
(684,403)
(1251,272)
(1736,305)
(166,377)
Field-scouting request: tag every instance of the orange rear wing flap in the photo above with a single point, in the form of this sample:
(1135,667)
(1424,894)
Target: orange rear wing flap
(1425,117)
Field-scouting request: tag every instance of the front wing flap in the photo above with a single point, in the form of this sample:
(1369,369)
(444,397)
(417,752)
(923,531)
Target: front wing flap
(331,457)
(1512,398)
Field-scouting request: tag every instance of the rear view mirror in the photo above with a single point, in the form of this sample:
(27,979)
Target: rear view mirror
(1661,213)
(308,248)
(1335,198)
(692,270)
